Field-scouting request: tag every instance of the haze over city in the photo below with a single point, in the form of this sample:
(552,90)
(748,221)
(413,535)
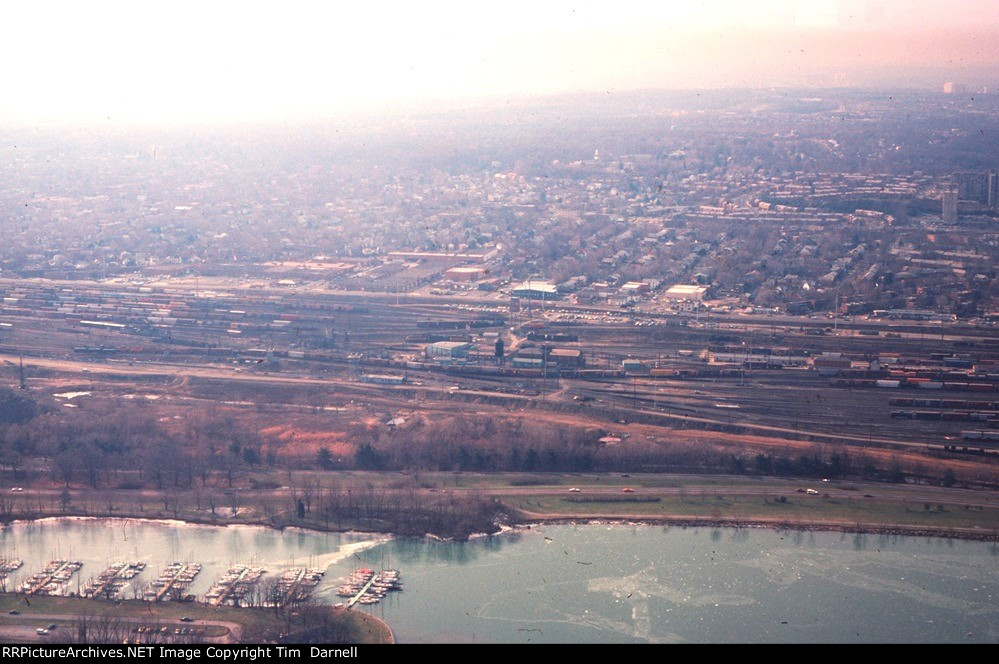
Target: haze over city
(124,62)
(445,322)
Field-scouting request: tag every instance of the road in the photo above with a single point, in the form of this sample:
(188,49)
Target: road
(233,631)
(911,494)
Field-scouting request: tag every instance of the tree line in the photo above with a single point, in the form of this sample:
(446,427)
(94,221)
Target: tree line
(121,447)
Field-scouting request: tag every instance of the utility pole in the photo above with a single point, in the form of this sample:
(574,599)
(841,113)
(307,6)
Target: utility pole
(24,383)
(544,374)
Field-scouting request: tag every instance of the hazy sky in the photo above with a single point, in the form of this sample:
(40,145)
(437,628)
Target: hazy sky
(216,60)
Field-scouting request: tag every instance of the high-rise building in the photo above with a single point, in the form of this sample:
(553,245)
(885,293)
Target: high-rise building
(993,190)
(949,213)
(973,187)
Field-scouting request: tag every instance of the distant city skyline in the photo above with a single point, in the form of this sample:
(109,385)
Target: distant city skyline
(182,61)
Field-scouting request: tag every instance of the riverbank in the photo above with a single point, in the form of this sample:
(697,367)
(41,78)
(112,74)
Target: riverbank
(372,629)
(337,625)
(422,505)
(527,520)
(892,511)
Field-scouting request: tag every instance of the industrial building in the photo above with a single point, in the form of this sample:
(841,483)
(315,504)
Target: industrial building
(636,287)
(437,256)
(448,350)
(536,290)
(529,358)
(527,363)
(632,365)
(686,292)
(464,273)
(565,357)
(831,364)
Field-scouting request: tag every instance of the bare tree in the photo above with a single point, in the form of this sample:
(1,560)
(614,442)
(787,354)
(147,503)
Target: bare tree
(235,502)
(171,502)
(7,506)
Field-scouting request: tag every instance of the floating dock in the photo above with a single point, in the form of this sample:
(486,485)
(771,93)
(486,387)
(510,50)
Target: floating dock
(8,565)
(112,580)
(52,580)
(172,582)
(234,586)
(365,586)
(295,585)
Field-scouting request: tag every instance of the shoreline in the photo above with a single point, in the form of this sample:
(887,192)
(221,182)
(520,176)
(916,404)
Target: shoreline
(530,522)
(193,522)
(721,522)
(381,624)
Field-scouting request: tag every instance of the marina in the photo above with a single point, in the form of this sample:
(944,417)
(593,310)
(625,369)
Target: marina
(296,585)
(8,565)
(365,586)
(171,584)
(112,580)
(235,587)
(52,580)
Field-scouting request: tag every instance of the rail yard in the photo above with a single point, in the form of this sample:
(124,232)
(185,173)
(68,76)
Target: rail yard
(767,374)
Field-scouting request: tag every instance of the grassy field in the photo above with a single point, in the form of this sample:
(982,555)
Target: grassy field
(487,481)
